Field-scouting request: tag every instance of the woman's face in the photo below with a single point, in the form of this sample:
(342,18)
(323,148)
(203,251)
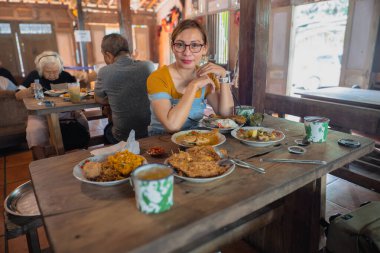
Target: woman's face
(51,71)
(189,39)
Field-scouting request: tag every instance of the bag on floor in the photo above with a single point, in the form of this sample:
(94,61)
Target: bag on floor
(356,232)
(74,134)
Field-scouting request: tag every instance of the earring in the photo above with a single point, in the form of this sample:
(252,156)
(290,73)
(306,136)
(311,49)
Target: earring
(204,60)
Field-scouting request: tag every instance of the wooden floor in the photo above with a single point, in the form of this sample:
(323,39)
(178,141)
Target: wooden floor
(342,196)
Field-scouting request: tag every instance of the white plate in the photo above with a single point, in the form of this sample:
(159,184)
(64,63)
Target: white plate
(204,179)
(78,173)
(221,138)
(204,123)
(258,143)
(55,93)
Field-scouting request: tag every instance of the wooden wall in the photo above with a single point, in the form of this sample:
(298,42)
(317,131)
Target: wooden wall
(62,20)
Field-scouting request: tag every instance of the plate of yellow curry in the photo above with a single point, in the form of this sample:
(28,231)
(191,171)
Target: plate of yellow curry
(108,170)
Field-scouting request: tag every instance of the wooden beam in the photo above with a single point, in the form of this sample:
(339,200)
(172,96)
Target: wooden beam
(153,2)
(81,26)
(141,4)
(163,2)
(280,3)
(125,20)
(253,52)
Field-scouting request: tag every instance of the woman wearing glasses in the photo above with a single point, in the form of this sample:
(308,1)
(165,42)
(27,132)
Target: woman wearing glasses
(178,92)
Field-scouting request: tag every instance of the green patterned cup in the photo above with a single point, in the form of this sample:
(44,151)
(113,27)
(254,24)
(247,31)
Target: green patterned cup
(316,128)
(153,185)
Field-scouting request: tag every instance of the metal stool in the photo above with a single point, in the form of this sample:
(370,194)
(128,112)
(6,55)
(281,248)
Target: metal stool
(22,217)
(17,226)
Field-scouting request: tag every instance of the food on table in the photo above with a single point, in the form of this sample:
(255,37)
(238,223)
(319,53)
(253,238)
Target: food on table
(115,167)
(58,91)
(196,138)
(239,119)
(222,123)
(92,169)
(258,135)
(156,151)
(67,95)
(197,162)
(83,90)
(125,162)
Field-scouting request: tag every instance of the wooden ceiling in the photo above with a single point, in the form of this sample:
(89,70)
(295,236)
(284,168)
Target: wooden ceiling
(136,5)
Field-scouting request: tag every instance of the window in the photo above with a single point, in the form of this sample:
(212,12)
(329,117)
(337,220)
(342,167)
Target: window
(5,28)
(112,29)
(319,30)
(35,28)
(218,29)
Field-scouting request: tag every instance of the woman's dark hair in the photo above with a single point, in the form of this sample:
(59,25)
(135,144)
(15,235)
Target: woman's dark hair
(189,24)
(115,44)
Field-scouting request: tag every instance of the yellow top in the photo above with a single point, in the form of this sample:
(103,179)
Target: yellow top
(160,82)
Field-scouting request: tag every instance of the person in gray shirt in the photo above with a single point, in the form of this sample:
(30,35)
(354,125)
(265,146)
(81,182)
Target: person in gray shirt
(122,85)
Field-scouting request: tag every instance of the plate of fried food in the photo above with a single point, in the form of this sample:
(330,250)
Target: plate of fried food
(191,138)
(200,165)
(258,136)
(108,170)
(55,92)
(223,124)
(66,96)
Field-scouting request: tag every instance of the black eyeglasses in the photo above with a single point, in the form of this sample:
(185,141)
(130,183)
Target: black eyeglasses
(180,47)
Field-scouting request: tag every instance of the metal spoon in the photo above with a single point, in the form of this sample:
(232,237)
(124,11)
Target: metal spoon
(238,162)
(293,161)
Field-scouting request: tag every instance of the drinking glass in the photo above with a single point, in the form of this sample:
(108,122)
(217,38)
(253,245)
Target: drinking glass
(74,91)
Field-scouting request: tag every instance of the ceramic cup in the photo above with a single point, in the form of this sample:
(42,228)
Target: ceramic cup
(74,91)
(316,128)
(153,184)
(244,110)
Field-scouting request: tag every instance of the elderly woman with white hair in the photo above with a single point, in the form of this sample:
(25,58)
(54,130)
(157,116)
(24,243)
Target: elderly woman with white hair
(49,70)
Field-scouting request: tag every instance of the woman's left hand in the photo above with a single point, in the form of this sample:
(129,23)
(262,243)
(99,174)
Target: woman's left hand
(211,68)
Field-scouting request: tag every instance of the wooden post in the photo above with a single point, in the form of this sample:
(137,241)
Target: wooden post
(81,26)
(253,51)
(125,20)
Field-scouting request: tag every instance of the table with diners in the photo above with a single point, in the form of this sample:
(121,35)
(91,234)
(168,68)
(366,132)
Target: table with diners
(52,115)
(279,211)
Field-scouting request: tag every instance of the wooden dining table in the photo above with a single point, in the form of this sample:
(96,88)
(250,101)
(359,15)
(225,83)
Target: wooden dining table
(278,211)
(52,115)
(345,95)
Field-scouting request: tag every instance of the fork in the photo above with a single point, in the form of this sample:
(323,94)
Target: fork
(239,162)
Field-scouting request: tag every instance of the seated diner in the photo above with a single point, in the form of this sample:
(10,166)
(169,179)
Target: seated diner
(178,92)
(49,70)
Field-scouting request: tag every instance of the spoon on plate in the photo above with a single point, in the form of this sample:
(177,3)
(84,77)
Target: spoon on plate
(238,162)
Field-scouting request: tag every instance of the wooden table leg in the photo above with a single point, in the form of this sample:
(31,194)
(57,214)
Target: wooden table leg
(299,230)
(55,133)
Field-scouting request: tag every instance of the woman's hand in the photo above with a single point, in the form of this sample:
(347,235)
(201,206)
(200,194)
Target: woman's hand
(201,82)
(211,68)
